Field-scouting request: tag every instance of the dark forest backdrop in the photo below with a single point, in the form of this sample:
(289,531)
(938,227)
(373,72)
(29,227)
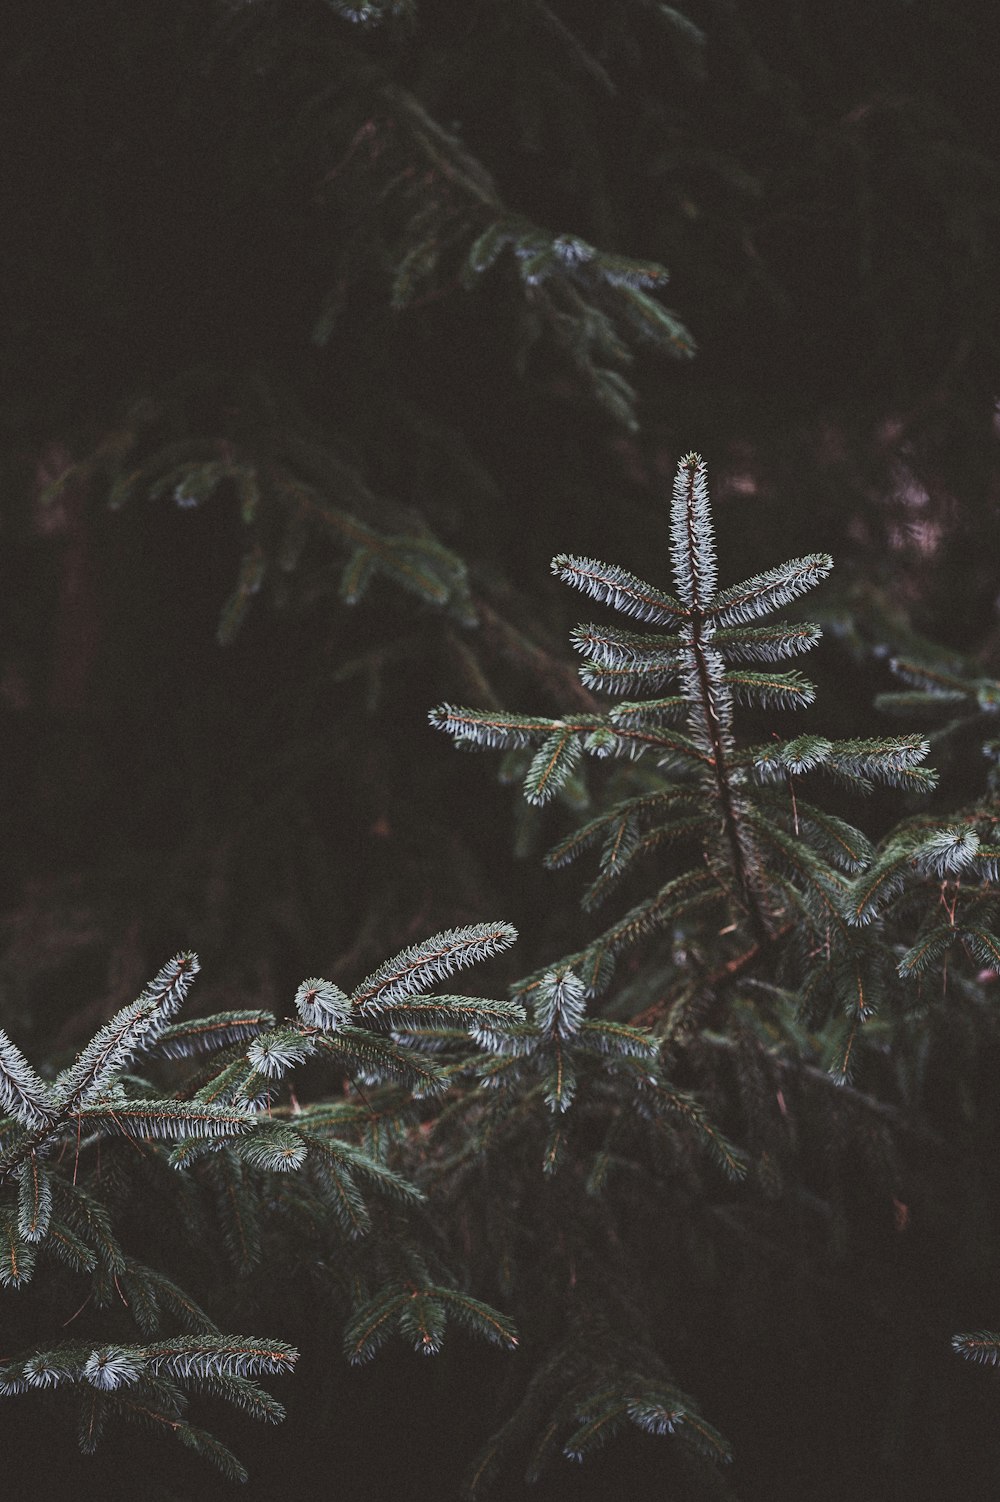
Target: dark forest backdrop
(325,327)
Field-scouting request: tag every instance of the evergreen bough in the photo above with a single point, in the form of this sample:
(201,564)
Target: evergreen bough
(488,1147)
(749,855)
(219,1137)
(778,923)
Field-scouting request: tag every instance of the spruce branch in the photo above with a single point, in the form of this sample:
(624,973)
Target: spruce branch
(126,1035)
(774,860)
(420,965)
(202,1034)
(978,1345)
(617,587)
(742,603)
(420,1314)
(22,1092)
(692,537)
(216,1130)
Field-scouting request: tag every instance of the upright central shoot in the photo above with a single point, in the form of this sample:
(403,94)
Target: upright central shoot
(707,693)
(746,849)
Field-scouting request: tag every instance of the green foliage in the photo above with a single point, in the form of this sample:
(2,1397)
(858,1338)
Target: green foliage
(765,866)
(758,880)
(346,308)
(232,1133)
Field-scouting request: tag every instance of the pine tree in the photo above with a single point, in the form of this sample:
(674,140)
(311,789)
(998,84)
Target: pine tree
(766,864)
(324,321)
(768,895)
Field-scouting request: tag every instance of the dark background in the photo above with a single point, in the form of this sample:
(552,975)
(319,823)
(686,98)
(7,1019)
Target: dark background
(824,186)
